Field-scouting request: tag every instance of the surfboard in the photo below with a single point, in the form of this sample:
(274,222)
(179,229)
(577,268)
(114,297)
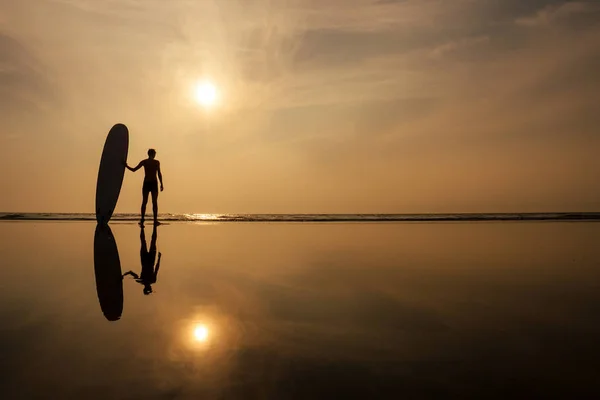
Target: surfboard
(111,172)
(107,269)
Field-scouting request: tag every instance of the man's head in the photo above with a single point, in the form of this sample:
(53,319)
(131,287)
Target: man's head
(151,153)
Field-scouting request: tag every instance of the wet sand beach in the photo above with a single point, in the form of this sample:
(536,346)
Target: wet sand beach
(304,310)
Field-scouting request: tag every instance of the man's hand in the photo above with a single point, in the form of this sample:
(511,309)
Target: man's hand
(130,273)
(161,187)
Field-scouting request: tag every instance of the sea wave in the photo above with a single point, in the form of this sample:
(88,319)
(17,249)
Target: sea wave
(569,216)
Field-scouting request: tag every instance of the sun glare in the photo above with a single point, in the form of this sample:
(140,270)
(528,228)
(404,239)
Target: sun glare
(205,94)
(200,333)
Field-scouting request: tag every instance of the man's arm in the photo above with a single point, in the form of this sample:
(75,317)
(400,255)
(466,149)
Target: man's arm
(159,175)
(136,168)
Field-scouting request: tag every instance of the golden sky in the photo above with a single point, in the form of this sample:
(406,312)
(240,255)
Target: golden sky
(375,106)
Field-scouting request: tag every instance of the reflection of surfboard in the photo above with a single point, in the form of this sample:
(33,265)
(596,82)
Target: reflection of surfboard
(111,172)
(107,268)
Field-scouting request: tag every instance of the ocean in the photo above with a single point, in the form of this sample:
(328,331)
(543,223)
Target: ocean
(196,217)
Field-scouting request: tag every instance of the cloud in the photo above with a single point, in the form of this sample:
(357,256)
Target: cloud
(557,12)
(461,44)
(25,84)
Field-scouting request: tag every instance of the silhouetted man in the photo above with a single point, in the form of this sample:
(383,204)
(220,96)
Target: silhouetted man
(150,185)
(149,273)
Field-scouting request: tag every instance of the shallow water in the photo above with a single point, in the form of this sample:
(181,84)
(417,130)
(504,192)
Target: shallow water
(259,310)
(121,217)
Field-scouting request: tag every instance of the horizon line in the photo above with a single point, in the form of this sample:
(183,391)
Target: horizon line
(337,217)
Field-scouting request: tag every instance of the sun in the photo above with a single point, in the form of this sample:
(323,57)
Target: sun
(200,333)
(205,94)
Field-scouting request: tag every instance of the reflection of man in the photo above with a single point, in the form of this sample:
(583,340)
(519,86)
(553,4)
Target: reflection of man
(149,272)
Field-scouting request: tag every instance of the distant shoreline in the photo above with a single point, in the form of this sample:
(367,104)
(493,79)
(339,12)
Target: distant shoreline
(462,217)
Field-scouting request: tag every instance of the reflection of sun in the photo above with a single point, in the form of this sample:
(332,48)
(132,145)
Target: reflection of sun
(205,94)
(200,333)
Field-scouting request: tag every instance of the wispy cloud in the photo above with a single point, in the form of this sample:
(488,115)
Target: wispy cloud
(25,86)
(556,12)
(461,44)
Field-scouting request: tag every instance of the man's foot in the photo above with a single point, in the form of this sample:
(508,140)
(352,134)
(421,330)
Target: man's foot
(141,223)
(156,223)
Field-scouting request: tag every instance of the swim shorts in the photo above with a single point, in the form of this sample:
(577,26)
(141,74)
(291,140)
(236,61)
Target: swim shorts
(150,186)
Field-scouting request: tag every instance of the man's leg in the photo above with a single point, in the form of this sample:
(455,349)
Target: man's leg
(144,254)
(155,205)
(153,240)
(143,247)
(144,202)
